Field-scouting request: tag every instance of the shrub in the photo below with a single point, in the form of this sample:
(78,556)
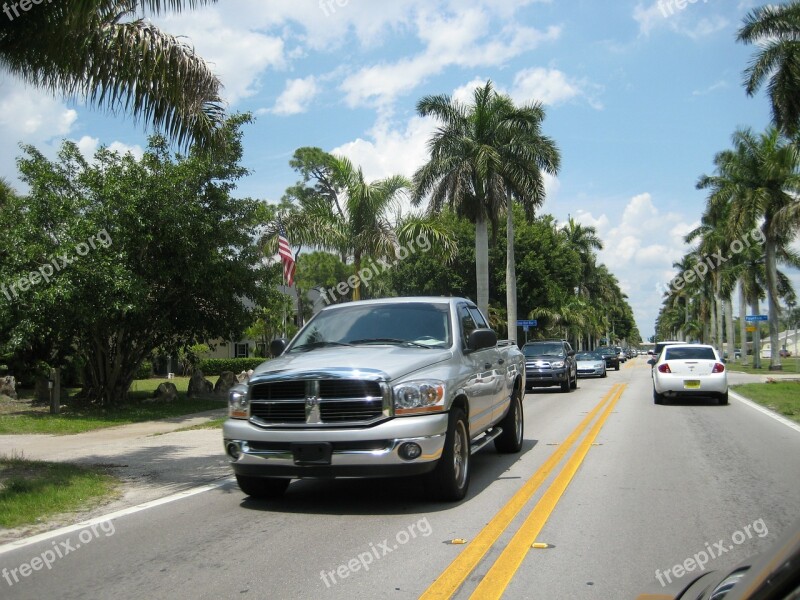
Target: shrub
(145,370)
(215,366)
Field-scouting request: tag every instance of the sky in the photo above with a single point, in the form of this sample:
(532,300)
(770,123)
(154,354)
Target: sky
(639,97)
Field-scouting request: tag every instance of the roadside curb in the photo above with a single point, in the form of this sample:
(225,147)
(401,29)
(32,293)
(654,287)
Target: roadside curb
(766,411)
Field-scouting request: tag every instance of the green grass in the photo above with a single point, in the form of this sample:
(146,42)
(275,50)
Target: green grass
(790,365)
(21,416)
(31,491)
(782,396)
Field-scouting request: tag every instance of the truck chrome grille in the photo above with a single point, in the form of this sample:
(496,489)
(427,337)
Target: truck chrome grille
(318,402)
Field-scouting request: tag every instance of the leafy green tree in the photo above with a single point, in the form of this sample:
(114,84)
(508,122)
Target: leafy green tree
(759,181)
(775,29)
(105,53)
(334,208)
(161,256)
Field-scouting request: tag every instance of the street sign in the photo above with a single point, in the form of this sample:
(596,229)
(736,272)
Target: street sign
(750,328)
(753,318)
(527,323)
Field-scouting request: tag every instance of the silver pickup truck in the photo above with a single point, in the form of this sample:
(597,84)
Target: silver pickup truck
(379,388)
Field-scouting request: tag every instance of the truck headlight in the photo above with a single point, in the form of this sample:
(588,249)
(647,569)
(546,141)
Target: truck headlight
(238,403)
(418,397)
(557,364)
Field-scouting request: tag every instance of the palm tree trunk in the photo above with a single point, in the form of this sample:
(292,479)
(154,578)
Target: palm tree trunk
(742,322)
(482,263)
(356,270)
(731,334)
(772,304)
(511,275)
(757,333)
(713,322)
(720,327)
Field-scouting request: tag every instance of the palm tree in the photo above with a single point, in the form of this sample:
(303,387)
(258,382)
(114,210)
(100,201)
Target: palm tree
(483,157)
(776,30)
(105,53)
(760,180)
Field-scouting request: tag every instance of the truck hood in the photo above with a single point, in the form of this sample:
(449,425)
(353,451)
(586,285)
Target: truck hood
(382,362)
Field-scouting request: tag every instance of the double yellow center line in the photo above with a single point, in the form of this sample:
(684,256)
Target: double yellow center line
(502,571)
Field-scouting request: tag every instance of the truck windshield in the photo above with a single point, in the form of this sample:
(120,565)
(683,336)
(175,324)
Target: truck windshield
(412,324)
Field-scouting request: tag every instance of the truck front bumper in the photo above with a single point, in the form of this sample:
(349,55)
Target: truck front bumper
(368,452)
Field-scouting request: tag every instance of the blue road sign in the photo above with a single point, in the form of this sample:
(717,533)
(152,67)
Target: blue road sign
(753,318)
(527,323)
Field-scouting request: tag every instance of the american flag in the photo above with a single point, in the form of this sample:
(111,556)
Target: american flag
(285,251)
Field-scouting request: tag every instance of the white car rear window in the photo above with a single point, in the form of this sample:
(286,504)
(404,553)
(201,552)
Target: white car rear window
(689,354)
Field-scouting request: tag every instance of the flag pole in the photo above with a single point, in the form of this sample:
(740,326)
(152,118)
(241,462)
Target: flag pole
(286,289)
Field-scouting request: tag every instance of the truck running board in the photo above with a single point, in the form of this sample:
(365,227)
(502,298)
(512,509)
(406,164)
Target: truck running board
(485,439)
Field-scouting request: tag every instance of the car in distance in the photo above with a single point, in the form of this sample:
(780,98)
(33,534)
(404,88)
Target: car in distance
(610,355)
(550,363)
(689,370)
(590,364)
(378,388)
(660,346)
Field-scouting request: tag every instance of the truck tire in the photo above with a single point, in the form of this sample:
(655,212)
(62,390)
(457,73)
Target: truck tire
(513,426)
(262,487)
(449,481)
(575,381)
(566,387)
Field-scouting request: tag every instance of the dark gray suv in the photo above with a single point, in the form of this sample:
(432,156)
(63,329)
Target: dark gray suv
(550,363)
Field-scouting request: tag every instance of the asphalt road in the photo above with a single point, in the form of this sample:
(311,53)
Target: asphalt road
(642,488)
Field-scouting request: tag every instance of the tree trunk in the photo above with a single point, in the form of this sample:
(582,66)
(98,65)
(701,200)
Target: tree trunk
(720,316)
(356,269)
(729,329)
(756,334)
(772,305)
(742,323)
(713,322)
(482,263)
(511,275)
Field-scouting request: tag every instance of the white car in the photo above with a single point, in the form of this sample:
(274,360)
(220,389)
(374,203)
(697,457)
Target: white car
(590,364)
(689,370)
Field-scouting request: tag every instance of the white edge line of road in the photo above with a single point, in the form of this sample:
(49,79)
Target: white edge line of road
(16,545)
(759,408)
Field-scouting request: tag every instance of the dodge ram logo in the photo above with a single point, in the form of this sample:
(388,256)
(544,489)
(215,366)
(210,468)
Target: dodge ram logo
(313,402)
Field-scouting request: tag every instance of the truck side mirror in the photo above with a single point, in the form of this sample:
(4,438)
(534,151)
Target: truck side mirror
(481,338)
(277,347)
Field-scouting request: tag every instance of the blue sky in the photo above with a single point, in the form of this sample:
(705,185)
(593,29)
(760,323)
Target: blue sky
(640,95)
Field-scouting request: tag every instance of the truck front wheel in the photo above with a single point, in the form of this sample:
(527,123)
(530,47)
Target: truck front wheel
(262,487)
(510,441)
(450,479)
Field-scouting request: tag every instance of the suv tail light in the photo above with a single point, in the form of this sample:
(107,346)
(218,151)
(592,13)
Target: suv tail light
(664,368)
(718,368)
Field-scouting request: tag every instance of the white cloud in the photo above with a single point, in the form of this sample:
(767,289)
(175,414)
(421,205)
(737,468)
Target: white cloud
(296,96)
(88,146)
(639,249)
(464,39)
(29,116)
(238,54)
(548,86)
